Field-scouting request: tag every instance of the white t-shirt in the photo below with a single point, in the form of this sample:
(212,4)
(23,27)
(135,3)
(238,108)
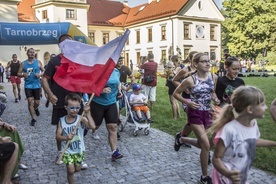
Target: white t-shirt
(240,143)
(137,98)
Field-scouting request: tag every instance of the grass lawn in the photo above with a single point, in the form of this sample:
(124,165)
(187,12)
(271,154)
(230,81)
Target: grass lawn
(265,158)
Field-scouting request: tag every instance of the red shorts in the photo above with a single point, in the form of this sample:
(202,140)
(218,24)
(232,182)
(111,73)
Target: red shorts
(15,79)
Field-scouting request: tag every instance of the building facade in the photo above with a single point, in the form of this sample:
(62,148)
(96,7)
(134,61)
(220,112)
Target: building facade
(161,27)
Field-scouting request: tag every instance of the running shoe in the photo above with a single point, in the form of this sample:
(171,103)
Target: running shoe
(84,166)
(116,155)
(37,112)
(95,136)
(206,180)
(33,122)
(177,144)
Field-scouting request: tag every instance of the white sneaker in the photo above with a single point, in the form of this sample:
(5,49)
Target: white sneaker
(22,166)
(15,176)
(84,166)
(95,136)
(61,162)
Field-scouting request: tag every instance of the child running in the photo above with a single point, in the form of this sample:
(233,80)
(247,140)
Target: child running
(201,86)
(138,100)
(74,154)
(237,135)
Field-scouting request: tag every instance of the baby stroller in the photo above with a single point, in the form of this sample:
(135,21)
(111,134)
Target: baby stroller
(132,117)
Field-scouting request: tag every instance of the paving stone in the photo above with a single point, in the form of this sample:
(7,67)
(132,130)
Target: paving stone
(147,159)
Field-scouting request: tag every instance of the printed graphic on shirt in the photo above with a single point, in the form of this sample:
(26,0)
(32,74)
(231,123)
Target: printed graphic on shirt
(29,71)
(227,93)
(242,153)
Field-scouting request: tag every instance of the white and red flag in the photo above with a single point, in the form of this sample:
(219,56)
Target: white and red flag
(86,68)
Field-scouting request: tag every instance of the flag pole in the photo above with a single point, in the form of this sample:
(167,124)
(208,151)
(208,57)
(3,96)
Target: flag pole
(74,131)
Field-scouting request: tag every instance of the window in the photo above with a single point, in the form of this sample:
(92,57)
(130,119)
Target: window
(187,31)
(200,31)
(105,38)
(71,14)
(150,35)
(163,55)
(119,34)
(200,7)
(127,59)
(213,33)
(91,35)
(163,32)
(213,53)
(186,52)
(138,55)
(44,14)
(137,36)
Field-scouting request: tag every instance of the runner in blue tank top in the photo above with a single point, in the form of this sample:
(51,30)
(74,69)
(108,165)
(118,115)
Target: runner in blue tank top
(32,69)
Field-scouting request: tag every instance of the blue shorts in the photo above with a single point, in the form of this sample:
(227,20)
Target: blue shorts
(199,117)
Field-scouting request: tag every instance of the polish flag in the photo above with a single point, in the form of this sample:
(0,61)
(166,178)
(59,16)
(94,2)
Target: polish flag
(86,68)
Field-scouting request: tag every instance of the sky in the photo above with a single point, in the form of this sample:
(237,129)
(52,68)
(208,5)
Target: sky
(132,3)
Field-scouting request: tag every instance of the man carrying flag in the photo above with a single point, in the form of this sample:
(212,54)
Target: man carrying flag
(89,69)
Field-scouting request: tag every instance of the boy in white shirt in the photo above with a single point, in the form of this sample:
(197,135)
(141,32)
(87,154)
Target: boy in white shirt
(138,101)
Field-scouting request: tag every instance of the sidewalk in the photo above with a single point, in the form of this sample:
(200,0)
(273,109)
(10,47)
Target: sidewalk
(147,159)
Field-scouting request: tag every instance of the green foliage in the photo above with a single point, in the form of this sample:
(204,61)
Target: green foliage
(265,158)
(249,27)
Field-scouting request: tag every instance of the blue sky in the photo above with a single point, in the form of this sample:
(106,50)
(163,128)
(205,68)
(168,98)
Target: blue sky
(132,3)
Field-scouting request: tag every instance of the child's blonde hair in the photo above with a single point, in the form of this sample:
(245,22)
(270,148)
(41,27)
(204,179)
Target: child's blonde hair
(242,97)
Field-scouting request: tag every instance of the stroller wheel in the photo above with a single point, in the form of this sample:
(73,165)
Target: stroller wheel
(135,133)
(146,131)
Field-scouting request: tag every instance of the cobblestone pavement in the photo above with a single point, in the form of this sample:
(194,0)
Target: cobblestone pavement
(147,159)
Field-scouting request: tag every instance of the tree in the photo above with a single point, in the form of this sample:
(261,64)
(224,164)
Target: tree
(249,27)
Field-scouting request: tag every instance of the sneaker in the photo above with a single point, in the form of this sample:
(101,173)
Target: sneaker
(150,120)
(141,121)
(47,104)
(116,155)
(206,180)
(177,144)
(15,176)
(95,136)
(37,112)
(84,166)
(187,145)
(60,162)
(33,122)
(16,100)
(22,166)
(209,160)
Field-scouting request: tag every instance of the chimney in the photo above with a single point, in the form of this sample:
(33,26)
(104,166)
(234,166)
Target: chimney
(125,2)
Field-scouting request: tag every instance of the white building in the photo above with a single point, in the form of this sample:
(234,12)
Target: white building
(163,27)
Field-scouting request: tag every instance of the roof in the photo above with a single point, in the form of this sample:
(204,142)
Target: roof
(154,10)
(107,13)
(114,13)
(25,11)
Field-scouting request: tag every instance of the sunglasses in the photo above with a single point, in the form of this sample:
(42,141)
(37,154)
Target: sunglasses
(73,108)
